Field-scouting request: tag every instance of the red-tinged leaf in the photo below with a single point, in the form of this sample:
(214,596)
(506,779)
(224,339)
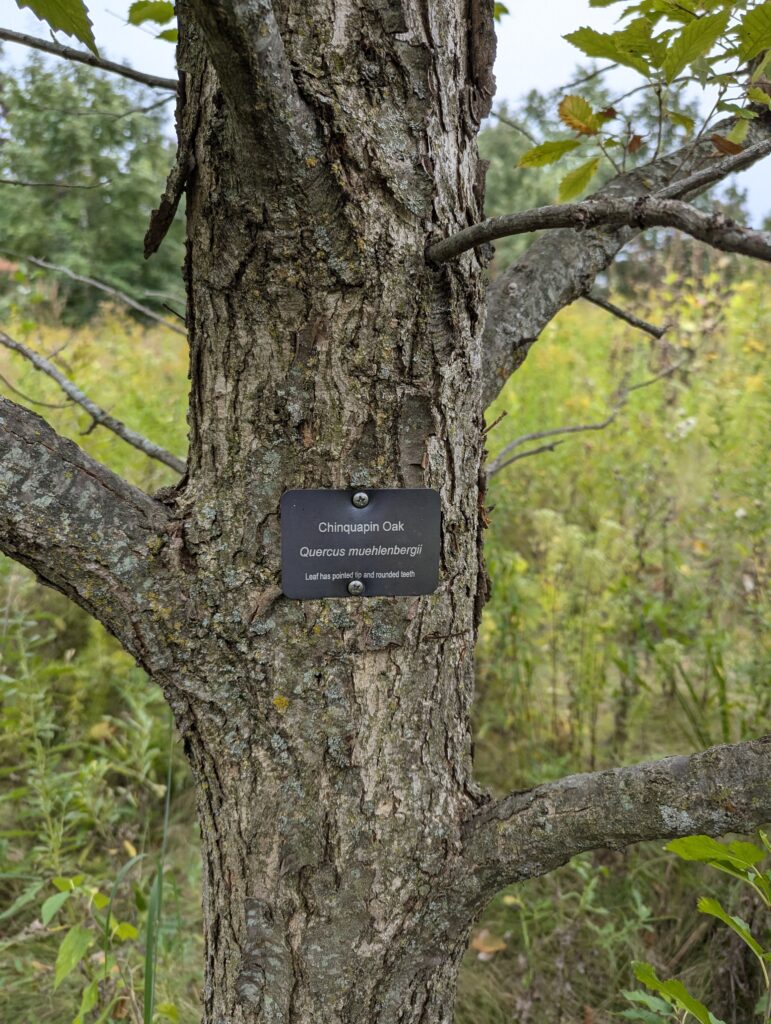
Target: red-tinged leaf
(724,145)
(576,113)
(635,143)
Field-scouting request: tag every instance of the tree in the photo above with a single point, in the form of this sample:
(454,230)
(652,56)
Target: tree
(97,142)
(337,340)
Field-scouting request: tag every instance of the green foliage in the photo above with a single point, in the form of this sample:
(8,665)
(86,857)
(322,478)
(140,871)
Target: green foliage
(70,16)
(744,860)
(84,776)
(547,152)
(577,181)
(161,12)
(628,620)
(672,46)
(694,41)
(70,125)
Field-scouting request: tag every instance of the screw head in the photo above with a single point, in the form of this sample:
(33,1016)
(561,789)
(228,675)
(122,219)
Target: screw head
(356,587)
(360,499)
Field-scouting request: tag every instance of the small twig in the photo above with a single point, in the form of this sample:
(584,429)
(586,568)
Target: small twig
(719,170)
(649,85)
(616,167)
(504,119)
(629,318)
(590,76)
(550,447)
(501,462)
(97,414)
(173,312)
(33,401)
(51,184)
(659,121)
(114,114)
(495,422)
(115,292)
(82,57)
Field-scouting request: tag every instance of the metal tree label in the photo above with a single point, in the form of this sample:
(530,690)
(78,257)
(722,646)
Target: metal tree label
(361,543)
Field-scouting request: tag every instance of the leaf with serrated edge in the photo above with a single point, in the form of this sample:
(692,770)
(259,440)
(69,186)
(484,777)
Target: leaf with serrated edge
(576,113)
(599,44)
(68,16)
(576,182)
(547,152)
(696,39)
(755,31)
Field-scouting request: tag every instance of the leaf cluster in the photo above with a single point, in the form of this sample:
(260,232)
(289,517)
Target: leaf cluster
(672,45)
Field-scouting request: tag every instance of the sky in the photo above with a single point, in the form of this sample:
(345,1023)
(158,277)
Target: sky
(531,54)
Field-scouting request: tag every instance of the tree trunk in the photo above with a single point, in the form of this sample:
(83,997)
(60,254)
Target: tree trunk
(329,739)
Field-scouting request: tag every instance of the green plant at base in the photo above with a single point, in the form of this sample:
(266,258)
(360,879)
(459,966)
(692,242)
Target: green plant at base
(673,1001)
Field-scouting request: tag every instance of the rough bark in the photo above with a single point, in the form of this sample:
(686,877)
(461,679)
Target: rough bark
(86,532)
(322,148)
(329,739)
(724,789)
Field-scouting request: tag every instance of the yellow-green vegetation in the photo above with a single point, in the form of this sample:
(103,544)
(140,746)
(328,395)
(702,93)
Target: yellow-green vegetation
(627,621)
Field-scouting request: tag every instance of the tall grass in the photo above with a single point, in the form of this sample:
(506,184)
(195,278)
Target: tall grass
(627,620)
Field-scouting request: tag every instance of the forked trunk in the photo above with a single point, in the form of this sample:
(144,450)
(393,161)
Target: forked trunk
(330,739)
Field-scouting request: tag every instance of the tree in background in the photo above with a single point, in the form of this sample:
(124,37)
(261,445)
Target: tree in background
(96,147)
(336,319)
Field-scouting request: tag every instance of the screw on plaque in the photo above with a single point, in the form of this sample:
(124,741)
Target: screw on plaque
(356,587)
(360,499)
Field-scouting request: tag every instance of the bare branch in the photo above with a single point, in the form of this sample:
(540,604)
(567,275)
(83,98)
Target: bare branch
(84,531)
(97,414)
(83,57)
(552,446)
(629,318)
(622,396)
(524,835)
(646,212)
(115,292)
(716,170)
(51,184)
(505,119)
(561,266)
(32,401)
(590,76)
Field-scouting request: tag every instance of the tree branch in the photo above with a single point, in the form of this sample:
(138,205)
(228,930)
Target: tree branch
(101,286)
(644,212)
(83,57)
(84,531)
(629,318)
(622,396)
(561,266)
(51,184)
(97,414)
(524,835)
